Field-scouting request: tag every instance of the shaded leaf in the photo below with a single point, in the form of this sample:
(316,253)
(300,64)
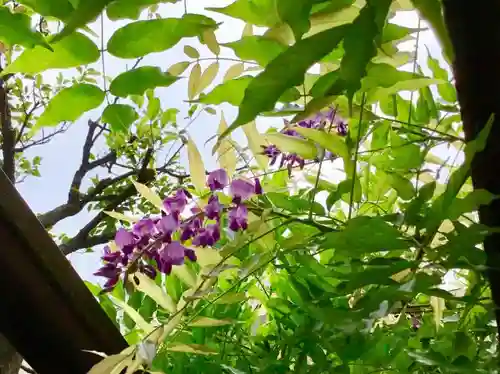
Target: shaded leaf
(264,90)
(403,186)
(138,81)
(70,103)
(257,48)
(470,203)
(15,28)
(140,38)
(231,298)
(61,9)
(120,117)
(196,167)
(296,15)
(148,194)
(85,12)
(74,50)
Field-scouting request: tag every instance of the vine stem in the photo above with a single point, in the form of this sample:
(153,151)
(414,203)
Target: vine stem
(356,153)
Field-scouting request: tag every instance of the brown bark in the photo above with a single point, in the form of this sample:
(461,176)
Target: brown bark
(475,34)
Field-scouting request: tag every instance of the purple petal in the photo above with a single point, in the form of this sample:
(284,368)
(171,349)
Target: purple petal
(176,204)
(241,189)
(173,253)
(238,218)
(168,224)
(217,179)
(144,227)
(124,238)
(258,187)
(213,208)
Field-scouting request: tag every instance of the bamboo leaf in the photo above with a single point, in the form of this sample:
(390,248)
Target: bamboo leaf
(148,194)
(196,167)
(148,286)
(209,322)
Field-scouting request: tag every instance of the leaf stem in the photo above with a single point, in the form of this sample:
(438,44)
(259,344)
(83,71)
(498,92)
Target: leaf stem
(356,152)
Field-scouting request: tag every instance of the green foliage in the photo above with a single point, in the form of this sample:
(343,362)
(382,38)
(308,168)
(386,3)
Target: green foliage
(16,29)
(138,81)
(119,116)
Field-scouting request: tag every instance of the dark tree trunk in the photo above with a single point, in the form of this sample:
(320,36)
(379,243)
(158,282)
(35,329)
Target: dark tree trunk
(10,360)
(474,28)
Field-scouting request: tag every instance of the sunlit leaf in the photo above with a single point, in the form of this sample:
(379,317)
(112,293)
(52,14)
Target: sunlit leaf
(131,9)
(209,322)
(255,143)
(135,316)
(138,81)
(226,153)
(207,257)
(259,13)
(121,217)
(120,117)
(263,91)
(210,40)
(257,48)
(470,203)
(194,81)
(191,52)
(178,68)
(61,9)
(438,307)
(70,103)
(234,71)
(231,298)
(148,194)
(207,77)
(148,286)
(85,12)
(192,348)
(140,38)
(106,365)
(16,29)
(74,50)
(231,91)
(332,142)
(196,166)
(286,143)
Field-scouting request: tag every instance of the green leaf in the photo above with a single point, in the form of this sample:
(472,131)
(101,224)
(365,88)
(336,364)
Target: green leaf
(257,12)
(332,142)
(139,80)
(255,141)
(403,186)
(296,15)
(470,203)
(16,29)
(119,117)
(148,286)
(360,43)
(286,143)
(61,9)
(210,322)
(234,72)
(135,316)
(364,235)
(257,48)
(191,52)
(208,76)
(106,365)
(394,32)
(121,217)
(265,89)
(192,348)
(140,38)
(196,167)
(194,81)
(130,9)
(178,68)
(86,12)
(231,92)
(148,194)
(74,50)
(431,11)
(70,103)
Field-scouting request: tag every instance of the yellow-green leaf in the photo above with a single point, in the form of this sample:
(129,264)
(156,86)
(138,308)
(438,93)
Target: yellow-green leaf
(135,316)
(121,217)
(194,81)
(150,288)
(178,68)
(438,306)
(148,194)
(234,71)
(211,41)
(192,348)
(226,153)
(196,167)
(286,143)
(184,274)
(247,30)
(332,142)
(207,256)
(209,322)
(231,298)
(208,77)
(106,365)
(255,141)
(191,52)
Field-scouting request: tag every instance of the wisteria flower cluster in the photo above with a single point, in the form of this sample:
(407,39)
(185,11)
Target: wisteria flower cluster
(322,121)
(164,240)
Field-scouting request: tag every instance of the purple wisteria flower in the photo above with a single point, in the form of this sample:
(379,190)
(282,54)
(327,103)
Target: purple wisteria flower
(176,204)
(207,236)
(217,180)
(241,190)
(214,208)
(238,218)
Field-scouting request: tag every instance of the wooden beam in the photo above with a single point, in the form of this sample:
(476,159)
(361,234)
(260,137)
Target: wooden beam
(47,312)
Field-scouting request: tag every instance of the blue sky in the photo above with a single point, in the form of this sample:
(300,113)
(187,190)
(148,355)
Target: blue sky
(62,156)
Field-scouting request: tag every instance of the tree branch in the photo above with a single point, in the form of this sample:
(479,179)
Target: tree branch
(83,239)
(8,135)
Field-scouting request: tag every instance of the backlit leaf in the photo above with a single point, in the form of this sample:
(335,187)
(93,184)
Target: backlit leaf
(209,322)
(234,71)
(131,9)
(61,9)
(296,15)
(257,48)
(140,38)
(86,12)
(74,50)
(196,167)
(192,348)
(191,52)
(121,217)
(70,103)
(185,274)
(148,194)
(194,81)
(231,91)
(150,288)
(332,142)
(226,153)
(135,316)
(470,203)
(263,91)
(106,365)
(16,29)
(438,307)
(119,117)
(403,186)
(208,77)
(257,12)
(178,68)
(286,143)
(138,81)
(255,143)
(231,298)
(211,41)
